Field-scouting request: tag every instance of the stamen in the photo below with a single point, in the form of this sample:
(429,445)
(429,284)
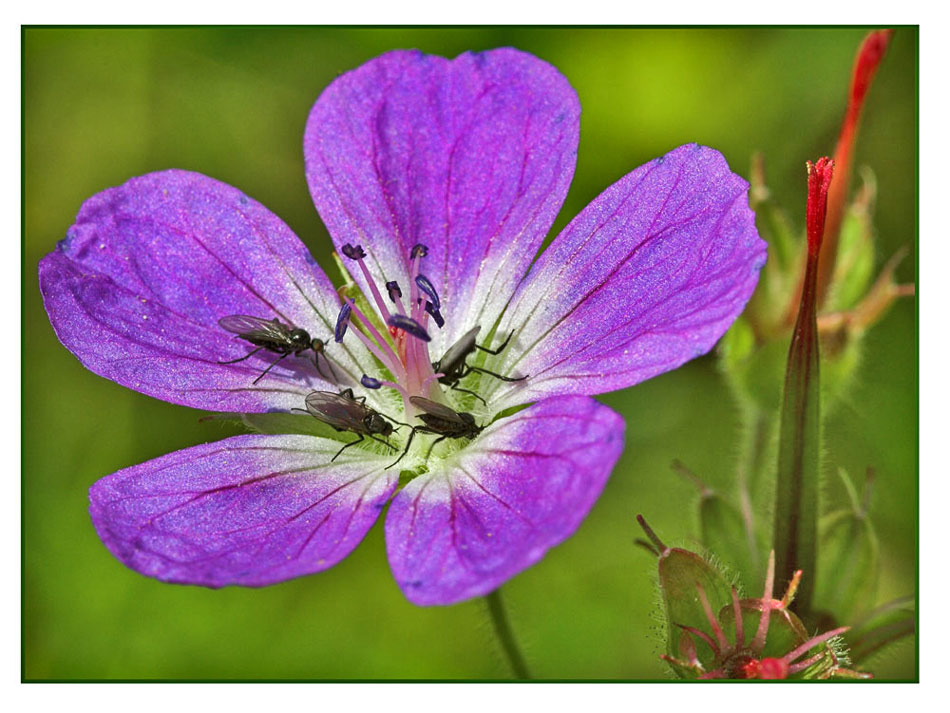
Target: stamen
(383,358)
(392,362)
(342,322)
(418,252)
(426,286)
(409,326)
(397,387)
(357,253)
(392,287)
(406,403)
(369,382)
(354,252)
(429,379)
(436,315)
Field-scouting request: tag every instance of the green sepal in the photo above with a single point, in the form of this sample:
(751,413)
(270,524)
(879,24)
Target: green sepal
(770,220)
(785,633)
(724,533)
(722,528)
(680,571)
(848,558)
(854,265)
(753,371)
(879,631)
(847,564)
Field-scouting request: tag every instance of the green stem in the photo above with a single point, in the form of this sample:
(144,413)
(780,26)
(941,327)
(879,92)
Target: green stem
(750,474)
(506,636)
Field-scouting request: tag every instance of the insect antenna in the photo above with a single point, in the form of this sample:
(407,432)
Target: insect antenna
(246,356)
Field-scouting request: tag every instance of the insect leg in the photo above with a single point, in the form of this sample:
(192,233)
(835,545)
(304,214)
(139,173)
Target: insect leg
(455,387)
(383,441)
(412,434)
(316,363)
(436,441)
(479,370)
(499,349)
(270,367)
(390,418)
(246,356)
(347,445)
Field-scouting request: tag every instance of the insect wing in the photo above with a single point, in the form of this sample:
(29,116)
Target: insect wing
(436,409)
(246,326)
(337,411)
(458,351)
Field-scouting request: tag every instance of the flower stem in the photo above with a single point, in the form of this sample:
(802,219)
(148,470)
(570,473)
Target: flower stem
(506,636)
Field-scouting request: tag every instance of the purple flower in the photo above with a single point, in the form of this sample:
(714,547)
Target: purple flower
(438,180)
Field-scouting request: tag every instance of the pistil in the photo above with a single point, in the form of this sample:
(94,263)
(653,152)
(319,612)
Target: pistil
(406,354)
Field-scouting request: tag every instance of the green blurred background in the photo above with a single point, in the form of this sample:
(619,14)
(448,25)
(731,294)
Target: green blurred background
(104,105)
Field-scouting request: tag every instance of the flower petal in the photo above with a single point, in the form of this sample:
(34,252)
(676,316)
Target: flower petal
(136,290)
(471,157)
(522,486)
(647,277)
(250,510)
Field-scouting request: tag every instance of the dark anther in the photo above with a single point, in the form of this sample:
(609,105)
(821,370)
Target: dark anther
(429,290)
(342,322)
(436,314)
(353,252)
(370,383)
(392,288)
(409,326)
(418,250)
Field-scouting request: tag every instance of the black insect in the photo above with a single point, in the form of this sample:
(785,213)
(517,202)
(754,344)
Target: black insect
(345,412)
(442,421)
(274,336)
(453,364)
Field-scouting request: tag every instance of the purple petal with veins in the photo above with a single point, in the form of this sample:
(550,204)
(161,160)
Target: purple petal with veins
(250,510)
(471,157)
(647,277)
(136,290)
(495,507)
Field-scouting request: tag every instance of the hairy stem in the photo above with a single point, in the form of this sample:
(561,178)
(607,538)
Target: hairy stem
(506,636)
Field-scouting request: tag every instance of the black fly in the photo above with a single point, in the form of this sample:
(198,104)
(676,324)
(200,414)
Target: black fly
(453,367)
(345,412)
(441,421)
(273,336)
